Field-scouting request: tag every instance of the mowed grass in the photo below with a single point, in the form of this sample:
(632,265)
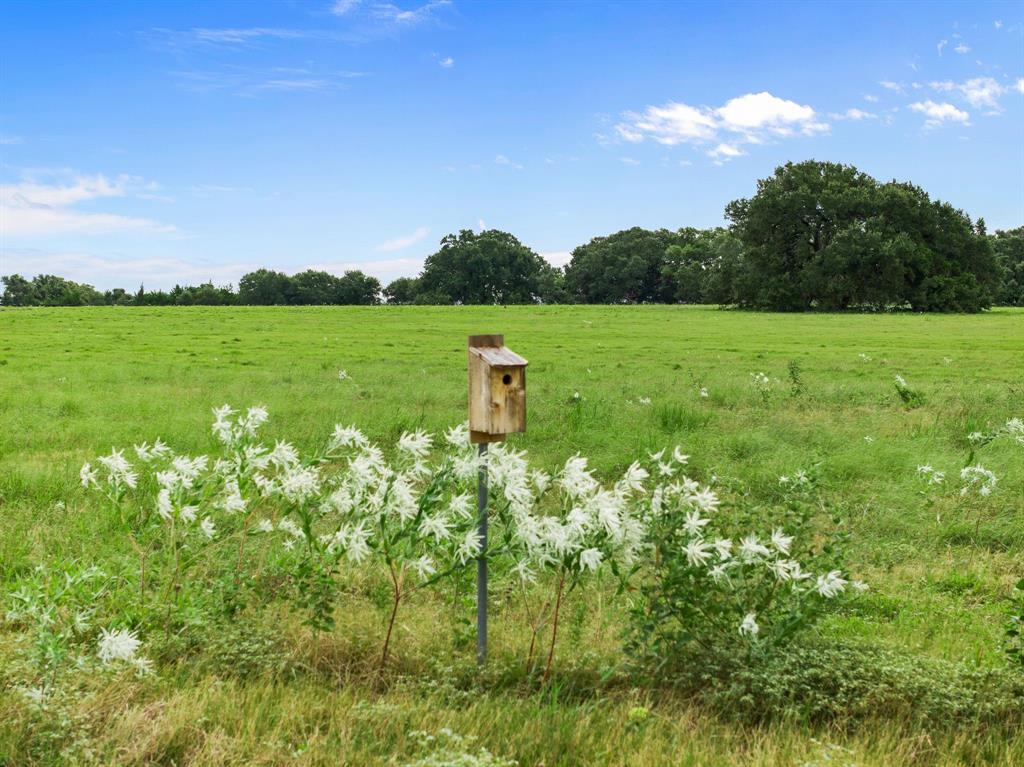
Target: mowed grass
(75,382)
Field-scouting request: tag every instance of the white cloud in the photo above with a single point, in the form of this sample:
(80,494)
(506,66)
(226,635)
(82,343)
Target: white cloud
(670,124)
(342,7)
(942,44)
(401,243)
(978,91)
(32,208)
(889,85)
(244,36)
(628,161)
(853,114)
(962,48)
(759,112)
(1019,85)
(384,270)
(725,152)
(752,118)
(392,13)
(246,81)
(557,258)
(503,160)
(481,225)
(870,97)
(111,271)
(447,62)
(106,271)
(9,140)
(937,114)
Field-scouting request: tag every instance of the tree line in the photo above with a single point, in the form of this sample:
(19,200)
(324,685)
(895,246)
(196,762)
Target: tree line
(815,236)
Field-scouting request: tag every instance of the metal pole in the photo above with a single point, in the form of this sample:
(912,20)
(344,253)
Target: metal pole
(481,562)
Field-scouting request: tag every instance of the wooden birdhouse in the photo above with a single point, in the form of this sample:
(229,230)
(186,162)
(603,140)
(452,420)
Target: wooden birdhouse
(497,389)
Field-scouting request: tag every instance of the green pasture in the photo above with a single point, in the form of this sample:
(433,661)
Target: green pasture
(608,382)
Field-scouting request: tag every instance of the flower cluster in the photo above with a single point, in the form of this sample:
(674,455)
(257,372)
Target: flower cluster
(410,510)
(977,478)
(931,475)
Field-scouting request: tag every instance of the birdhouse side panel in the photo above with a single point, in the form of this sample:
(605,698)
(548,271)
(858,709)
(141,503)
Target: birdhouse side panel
(479,395)
(508,400)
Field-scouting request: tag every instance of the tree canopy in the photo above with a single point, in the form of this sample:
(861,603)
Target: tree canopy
(489,267)
(815,236)
(820,235)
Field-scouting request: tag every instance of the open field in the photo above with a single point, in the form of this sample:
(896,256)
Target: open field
(74,382)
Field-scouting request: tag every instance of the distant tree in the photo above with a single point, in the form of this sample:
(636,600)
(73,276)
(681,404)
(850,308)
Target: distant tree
(701,266)
(1008,250)
(821,235)
(17,291)
(264,288)
(312,287)
(490,267)
(625,267)
(118,297)
(356,288)
(402,291)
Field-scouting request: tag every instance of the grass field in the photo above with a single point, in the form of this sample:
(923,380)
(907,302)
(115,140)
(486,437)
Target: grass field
(74,382)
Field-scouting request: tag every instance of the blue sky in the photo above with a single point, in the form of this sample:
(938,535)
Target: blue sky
(180,142)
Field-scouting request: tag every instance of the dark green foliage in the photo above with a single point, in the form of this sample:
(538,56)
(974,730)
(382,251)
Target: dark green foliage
(264,287)
(816,236)
(625,267)
(820,235)
(490,267)
(1008,249)
(402,291)
(848,682)
(47,290)
(701,265)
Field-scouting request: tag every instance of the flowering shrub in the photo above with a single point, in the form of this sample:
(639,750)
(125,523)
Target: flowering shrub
(716,589)
(705,579)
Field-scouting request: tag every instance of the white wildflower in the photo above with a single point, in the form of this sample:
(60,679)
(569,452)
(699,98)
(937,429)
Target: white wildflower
(88,476)
(781,541)
(724,548)
(749,625)
(423,567)
(694,522)
(697,552)
(831,585)
(980,477)
(416,444)
(470,546)
(458,436)
(207,527)
(590,559)
(751,548)
(119,644)
(436,527)
(633,479)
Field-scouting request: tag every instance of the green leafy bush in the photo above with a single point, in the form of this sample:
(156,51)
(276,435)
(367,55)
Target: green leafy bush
(847,682)
(714,592)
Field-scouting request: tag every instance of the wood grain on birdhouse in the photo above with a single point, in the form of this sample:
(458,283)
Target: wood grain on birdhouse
(497,389)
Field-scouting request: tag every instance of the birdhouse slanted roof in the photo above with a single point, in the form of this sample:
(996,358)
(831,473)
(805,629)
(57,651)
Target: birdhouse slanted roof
(498,356)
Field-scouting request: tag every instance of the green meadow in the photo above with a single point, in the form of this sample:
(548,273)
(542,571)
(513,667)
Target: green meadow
(611,383)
